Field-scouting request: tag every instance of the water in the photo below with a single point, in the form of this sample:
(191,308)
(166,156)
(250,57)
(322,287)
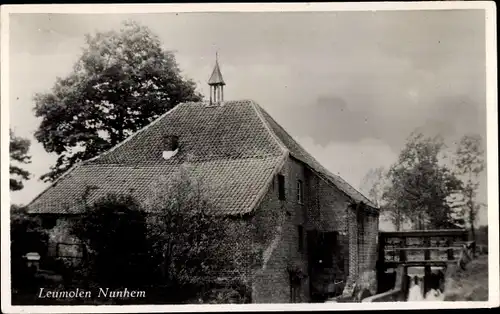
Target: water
(416,276)
(434,295)
(416,294)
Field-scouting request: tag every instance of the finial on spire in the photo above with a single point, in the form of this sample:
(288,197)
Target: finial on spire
(216,82)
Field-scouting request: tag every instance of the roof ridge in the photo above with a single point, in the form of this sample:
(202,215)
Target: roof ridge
(280,143)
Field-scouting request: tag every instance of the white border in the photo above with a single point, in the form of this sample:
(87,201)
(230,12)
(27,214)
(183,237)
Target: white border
(492,150)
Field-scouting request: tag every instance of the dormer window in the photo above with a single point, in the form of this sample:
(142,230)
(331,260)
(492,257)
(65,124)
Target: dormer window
(171,146)
(171,142)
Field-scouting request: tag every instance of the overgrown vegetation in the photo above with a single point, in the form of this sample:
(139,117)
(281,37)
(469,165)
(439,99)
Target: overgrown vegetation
(113,232)
(174,245)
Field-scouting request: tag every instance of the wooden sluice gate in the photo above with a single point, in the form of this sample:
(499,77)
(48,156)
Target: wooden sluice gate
(428,249)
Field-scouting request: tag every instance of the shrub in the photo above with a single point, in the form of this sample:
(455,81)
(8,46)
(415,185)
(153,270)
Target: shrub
(114,233)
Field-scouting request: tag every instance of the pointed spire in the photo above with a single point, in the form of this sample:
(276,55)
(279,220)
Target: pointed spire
(216,77)
(216,83)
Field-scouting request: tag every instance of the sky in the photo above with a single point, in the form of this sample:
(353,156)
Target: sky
(349,86)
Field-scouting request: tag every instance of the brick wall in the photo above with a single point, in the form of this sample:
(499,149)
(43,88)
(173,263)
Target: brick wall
(363,235)
(324,208)
(368,243)
(352,231)
(281,220)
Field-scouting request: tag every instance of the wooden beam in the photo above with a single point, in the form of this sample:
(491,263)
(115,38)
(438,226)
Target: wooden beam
(390,264)
(432,248)
(425,233)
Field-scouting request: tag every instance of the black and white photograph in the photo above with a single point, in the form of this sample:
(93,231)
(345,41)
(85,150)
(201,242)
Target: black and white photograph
(326,155)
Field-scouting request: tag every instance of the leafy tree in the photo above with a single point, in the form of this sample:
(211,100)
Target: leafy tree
(122,81)
(469,163)
(420,187)
(113,231)
(19,148)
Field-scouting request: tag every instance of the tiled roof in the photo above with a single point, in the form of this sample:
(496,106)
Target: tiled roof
(232,130)
(234,184)
(234,148)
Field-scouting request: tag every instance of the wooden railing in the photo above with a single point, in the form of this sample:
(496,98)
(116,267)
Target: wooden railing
(421,247)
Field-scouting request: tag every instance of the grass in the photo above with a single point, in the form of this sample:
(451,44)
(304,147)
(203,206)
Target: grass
(470,284)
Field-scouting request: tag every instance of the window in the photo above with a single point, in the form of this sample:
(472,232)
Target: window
(301,238)
(300,193)
(281,187)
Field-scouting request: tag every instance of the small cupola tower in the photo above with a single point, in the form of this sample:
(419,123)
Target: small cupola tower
(216,83)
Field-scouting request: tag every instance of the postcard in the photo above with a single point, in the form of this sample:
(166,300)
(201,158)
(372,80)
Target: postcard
(249,157)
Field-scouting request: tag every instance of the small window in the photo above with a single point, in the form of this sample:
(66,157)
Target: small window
(300,193)
(301,238)
(171,142)
(281,187)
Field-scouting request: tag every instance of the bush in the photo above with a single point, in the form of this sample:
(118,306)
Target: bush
(114,233)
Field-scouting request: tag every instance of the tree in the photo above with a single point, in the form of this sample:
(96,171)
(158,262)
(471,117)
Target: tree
(420,187)
(19,148)
(469,163)
(122,81)
(193,246)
